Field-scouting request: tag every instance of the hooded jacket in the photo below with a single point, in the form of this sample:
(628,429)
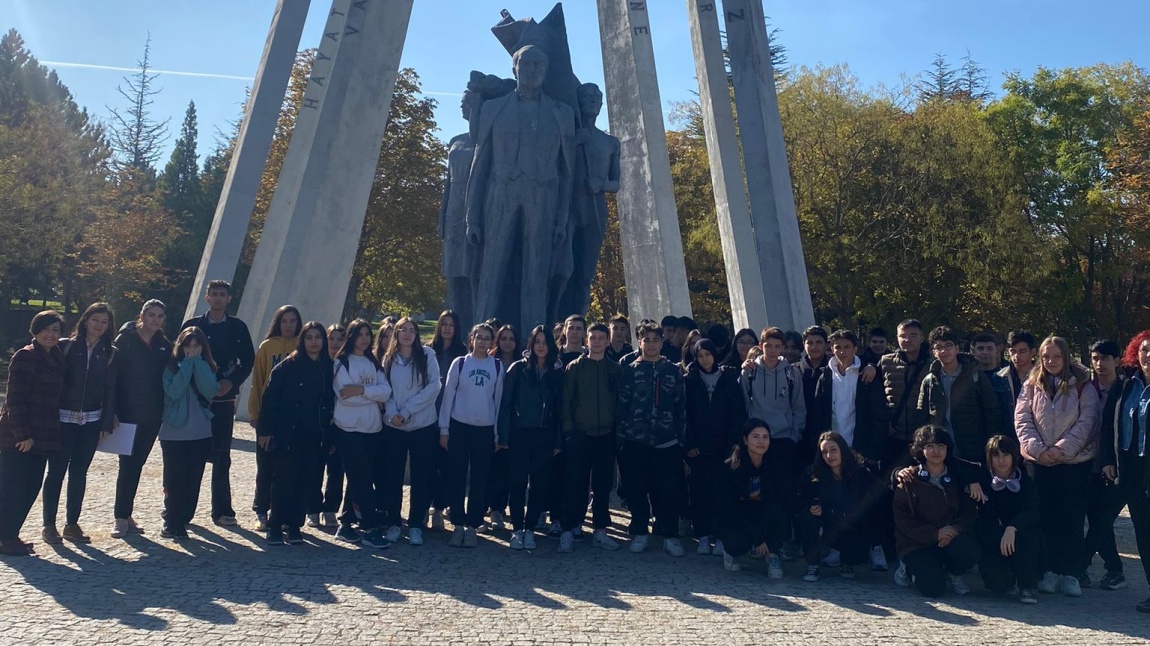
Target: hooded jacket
(1066,420)
(775,395)
(921,509)
(140,375)
(531,400)
(871,419)
(412,399)
(590,391)
(1111,418)
(715,419)
(231,344)
(298,403)
(974,413)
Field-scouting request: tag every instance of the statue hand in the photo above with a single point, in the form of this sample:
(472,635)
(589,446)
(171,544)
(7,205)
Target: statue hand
(594,185)
(474,236)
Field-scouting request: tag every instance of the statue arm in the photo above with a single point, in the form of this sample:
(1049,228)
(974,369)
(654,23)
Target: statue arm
(477,182)
(612,183)
(443,203)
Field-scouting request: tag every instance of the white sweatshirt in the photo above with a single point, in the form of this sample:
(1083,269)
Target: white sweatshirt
(409,398)
(472,392)
(359,414)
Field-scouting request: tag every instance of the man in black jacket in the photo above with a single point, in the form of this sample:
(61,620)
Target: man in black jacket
(231,345)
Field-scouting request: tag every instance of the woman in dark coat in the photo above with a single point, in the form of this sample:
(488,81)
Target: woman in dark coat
(29,427)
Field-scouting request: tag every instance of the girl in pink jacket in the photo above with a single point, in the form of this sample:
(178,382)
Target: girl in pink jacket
(1055,421)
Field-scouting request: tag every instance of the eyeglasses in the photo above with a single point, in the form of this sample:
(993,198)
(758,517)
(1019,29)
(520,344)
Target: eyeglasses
(746,343)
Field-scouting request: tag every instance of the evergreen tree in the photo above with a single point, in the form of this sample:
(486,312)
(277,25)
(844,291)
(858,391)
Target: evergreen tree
(136,138)
(180,181)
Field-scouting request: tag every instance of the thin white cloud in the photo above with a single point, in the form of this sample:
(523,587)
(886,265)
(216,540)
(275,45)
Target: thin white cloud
(113,68)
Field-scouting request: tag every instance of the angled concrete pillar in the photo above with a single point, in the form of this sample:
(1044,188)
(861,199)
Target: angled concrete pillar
(648,221)
(313,266)
(744,277)
(768,175)
(278,235)
(234,210)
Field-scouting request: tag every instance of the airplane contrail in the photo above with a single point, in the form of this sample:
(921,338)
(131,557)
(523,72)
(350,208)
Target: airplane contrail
(113,68)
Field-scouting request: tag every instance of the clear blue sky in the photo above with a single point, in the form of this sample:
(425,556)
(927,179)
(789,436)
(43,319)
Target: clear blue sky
(881,40)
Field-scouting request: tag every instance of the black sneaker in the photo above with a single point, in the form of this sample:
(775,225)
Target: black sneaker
(1084,580)
(293,536)
(578,536)
(347,534)
(376,539)
(1112,581)
(275,536)
(180,532)
(167,532)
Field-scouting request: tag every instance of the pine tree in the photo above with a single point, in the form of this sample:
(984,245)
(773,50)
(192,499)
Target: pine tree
(180,181)
(136,138)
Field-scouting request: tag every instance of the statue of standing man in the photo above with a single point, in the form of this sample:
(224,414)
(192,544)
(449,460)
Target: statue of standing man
(519,196)
(596,174)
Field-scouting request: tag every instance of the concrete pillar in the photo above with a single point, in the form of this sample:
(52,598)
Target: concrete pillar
(234,210)
(314,263)
(744,278)
(278,235)
(776,225)
(648,222)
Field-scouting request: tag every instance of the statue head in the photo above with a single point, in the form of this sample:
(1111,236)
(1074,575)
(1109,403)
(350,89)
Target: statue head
(590,100)
(529,64)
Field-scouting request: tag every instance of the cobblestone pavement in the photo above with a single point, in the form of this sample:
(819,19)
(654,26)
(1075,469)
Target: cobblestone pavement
(225,586)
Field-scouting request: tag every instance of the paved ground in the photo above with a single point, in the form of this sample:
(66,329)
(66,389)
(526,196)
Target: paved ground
(224,586)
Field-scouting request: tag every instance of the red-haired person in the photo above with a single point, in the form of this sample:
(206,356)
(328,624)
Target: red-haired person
(1124,452)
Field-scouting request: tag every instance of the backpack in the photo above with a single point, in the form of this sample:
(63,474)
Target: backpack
(459,371)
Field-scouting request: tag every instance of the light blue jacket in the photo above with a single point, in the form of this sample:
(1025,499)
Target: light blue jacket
(176,385)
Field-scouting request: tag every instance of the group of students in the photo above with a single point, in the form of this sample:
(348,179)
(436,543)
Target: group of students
(776,445)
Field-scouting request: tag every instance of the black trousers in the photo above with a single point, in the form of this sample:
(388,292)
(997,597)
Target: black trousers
(78,446)
(929,565)
(751,524)
(1062,509)
(1024,567)
(1104,501)
(895,456)
(442,497)
(184,462)
(398,445)
(852,540)
(703,482)
(363,462)
(131,466)
(20,477)
(558,486)
(589,457)
(498,483)
(326,498)
(262,501)
(223,424)
(653,477)
(469,448)
(529,454)
(293,470)
(1132,480)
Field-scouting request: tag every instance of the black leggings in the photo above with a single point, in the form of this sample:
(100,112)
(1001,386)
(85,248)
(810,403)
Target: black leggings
(132,466)
(1062,509)
(529,455)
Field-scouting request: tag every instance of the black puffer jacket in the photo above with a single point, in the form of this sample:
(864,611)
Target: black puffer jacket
(89,380)
(297,403)
(530,400)
(139,375)
(714,420)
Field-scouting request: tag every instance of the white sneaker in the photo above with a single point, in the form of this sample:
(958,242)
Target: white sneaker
(730,563)
(900,576)
(437,521)
(1048,584)
(673,547)
(601,540)
(704,546)
(329,519)
(1070,586)
(718,549)
(516,540)
(958,584)
(566,543)
(121,528)
(528,539)
(775,567)
(415,536)
(638,544)
(878,559)
(393,534)
(833,558)
(313,520)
